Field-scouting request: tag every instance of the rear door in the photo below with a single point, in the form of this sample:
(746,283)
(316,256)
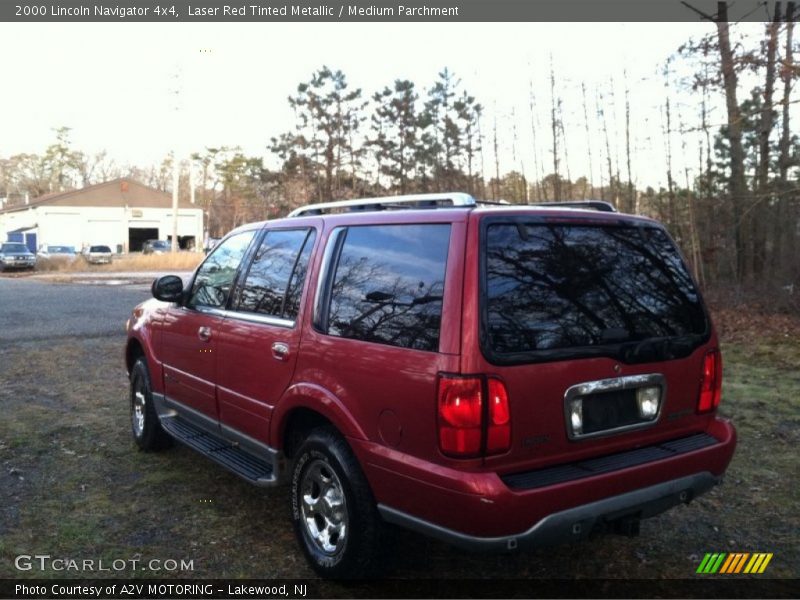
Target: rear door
(191,331)
(586,320)
(259,339)
(380,334)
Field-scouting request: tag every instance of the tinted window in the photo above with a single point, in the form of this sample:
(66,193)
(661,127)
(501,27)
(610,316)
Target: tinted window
(276,275)
(298,277)
(565,286)
(99,249)
(215,276)
(389,284)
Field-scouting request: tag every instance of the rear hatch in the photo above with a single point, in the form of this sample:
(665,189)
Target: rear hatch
(596,329)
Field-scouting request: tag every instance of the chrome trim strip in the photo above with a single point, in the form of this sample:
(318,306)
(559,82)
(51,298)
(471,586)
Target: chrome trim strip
(246,316)
(207,310)
(256,318)
(626,382)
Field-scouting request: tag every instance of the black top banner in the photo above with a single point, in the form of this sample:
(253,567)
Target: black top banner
(412,11)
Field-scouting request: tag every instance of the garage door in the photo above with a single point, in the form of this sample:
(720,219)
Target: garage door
(105,232)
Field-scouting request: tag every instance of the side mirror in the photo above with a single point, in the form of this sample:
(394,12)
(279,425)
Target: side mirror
(168,288)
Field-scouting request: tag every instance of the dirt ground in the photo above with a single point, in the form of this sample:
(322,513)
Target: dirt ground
(73,485)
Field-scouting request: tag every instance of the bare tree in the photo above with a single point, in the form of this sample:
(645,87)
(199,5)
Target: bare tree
(534,127)
(588,141)
(554,127)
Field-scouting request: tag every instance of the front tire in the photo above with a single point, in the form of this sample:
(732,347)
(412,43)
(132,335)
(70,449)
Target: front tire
(145,426)
(334,514)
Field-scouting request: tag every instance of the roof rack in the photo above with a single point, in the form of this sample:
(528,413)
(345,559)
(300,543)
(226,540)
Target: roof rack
(386,203)
(600,205)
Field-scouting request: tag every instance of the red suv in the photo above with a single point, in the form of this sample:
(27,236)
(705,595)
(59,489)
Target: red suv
(495,376)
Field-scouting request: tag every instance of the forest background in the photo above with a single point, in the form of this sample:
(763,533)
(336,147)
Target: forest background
(731,202)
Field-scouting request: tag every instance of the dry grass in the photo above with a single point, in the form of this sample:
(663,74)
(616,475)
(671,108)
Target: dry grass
(72,484)
(181,261)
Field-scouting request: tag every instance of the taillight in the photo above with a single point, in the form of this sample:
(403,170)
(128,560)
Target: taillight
(711,382)
(463,418)
(460,415)
(498,433)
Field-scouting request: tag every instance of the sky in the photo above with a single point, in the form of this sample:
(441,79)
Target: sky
(114,84)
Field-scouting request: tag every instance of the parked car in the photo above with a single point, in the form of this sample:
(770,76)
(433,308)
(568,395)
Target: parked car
(57,252)
(15,255)
(156,247)
(497,377)
(97,255)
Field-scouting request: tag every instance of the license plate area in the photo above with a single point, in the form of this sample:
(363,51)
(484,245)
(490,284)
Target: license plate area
(609,410)
(609,406)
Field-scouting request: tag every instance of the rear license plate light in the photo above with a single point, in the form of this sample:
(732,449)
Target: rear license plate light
(613,405)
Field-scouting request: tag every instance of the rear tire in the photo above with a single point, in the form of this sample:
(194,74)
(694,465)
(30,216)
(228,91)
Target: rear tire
(334,514)
(145,425)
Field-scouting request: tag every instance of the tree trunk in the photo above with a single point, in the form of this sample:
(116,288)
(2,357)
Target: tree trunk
(763,209)
(611,184)
(629,201)
(588,143)
(496,162)
(672,213)
(554,127)
(786,221)
(536,172)
(737,185)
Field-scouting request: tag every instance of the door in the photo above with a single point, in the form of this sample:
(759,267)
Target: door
(260,336)
(190,333)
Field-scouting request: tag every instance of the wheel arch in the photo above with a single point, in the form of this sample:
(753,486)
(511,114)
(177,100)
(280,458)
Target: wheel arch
(141,346)
(305,407)
(133,350)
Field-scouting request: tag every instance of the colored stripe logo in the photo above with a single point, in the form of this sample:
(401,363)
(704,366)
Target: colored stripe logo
(734,563)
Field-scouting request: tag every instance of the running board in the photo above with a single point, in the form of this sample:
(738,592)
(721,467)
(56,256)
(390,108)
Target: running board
(222,451)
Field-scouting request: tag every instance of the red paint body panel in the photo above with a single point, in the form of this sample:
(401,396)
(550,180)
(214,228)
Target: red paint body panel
(478,503)
(190,363)
(383,399)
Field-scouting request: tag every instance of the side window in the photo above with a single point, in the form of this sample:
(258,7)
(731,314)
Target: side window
(389,284)
(215,276)
(275,278)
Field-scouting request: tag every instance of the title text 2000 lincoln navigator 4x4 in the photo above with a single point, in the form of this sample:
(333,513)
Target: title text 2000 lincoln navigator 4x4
(497,377)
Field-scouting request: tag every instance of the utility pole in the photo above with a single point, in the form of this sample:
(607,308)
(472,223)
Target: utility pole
(175,165)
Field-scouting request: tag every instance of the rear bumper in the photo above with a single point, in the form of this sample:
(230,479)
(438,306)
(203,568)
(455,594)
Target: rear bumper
(480,510)
(572,524)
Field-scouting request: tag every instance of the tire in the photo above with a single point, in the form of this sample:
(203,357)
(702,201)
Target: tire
(145,426)
(341,538)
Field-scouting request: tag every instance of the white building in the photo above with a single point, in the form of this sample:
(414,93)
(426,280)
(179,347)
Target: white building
(121,214)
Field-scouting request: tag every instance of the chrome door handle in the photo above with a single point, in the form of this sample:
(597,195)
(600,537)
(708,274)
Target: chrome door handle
(280,351)
(204,333)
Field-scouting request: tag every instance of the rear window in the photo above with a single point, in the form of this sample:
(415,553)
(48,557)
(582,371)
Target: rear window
(561,288)
(389,284)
